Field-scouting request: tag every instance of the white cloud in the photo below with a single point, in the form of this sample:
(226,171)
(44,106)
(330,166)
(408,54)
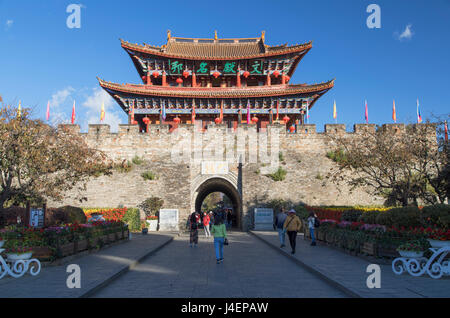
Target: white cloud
(59,98)
(93,103)
(9,24)
(407,34)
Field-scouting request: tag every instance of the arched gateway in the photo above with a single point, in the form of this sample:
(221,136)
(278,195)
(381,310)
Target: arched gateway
(227,184)
(219,184)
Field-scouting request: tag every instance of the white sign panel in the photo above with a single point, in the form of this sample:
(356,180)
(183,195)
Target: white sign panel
(214,167)
(168,220)
(37,217)
(263,219)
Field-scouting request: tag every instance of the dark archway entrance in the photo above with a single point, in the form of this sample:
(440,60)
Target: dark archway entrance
(220,185)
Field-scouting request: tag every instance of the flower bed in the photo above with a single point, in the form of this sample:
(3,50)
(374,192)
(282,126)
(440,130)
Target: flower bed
(60,241)
(374,239)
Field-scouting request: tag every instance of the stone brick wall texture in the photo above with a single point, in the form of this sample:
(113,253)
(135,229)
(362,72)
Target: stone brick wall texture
(304,154)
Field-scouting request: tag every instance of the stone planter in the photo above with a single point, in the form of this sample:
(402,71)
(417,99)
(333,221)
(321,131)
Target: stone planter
(111,237)
(67,249)
(82,245)
(369,248)
(411,254)
(19,257)
(152,225)
(439,244)
(105,238)
(42,252)
(126,234)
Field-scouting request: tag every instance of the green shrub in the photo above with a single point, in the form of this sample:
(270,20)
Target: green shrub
(280,156)
(73,214)
(398,217)
(137,161)
(319,176)
(123,167)
(351,215)
(338,156)
(149,175)
(151,206)
(133,219)
(278,175)
(301,211)
(369,217)
(436,215)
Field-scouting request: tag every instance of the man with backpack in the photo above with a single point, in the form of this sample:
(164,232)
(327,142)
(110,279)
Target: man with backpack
(278,225)
(313,222)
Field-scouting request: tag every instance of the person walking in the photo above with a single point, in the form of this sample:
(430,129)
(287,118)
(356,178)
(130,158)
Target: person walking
(292,225)
(219,232)
(206,220)
(311,225)
(229,219)
(278,224)
(193,229)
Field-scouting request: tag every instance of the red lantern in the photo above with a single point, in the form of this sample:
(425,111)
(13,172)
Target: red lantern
(292,129)
(185,74)
(246,74)
(255,119)
(276,74)
(155,74)
(216,74)
(217,121)
(144,77)
(179,80)
(286,119)
(177,120)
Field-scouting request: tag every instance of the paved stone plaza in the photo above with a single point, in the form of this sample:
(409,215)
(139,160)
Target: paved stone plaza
(163,265)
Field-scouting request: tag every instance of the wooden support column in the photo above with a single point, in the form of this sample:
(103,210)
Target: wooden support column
(238,78)
(164,79)
(283,79)
(149,78)
(268,82)
(194,79)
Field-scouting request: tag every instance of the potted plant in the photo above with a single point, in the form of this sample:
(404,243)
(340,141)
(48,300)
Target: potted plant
(18,250)
(412,249)
(438,238)
(152,221)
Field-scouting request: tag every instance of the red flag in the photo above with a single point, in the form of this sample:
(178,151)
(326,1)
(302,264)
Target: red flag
(446,131)
(48,111)
(73,113)
(193,111)
(394,114)
(367,114)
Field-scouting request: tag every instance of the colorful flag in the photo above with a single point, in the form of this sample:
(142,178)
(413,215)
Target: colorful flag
(334,110)
(19,110)
(367,113)
(248,111)
(163,114)
(102,112)
(278,109)
(446,131)
(47,117)
(419,117)
(394,115)
(73,113)
(193,111)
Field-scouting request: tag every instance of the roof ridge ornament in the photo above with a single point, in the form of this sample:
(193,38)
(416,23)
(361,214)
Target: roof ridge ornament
(168,35)
(263,35)
(215,35)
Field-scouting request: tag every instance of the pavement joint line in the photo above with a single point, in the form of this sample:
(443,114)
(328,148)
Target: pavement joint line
(92,291)
(312,270)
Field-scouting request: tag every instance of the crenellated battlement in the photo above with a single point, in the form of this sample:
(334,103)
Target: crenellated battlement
(102,130)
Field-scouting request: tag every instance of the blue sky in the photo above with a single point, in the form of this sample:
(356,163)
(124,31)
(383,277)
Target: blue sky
(41,59)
